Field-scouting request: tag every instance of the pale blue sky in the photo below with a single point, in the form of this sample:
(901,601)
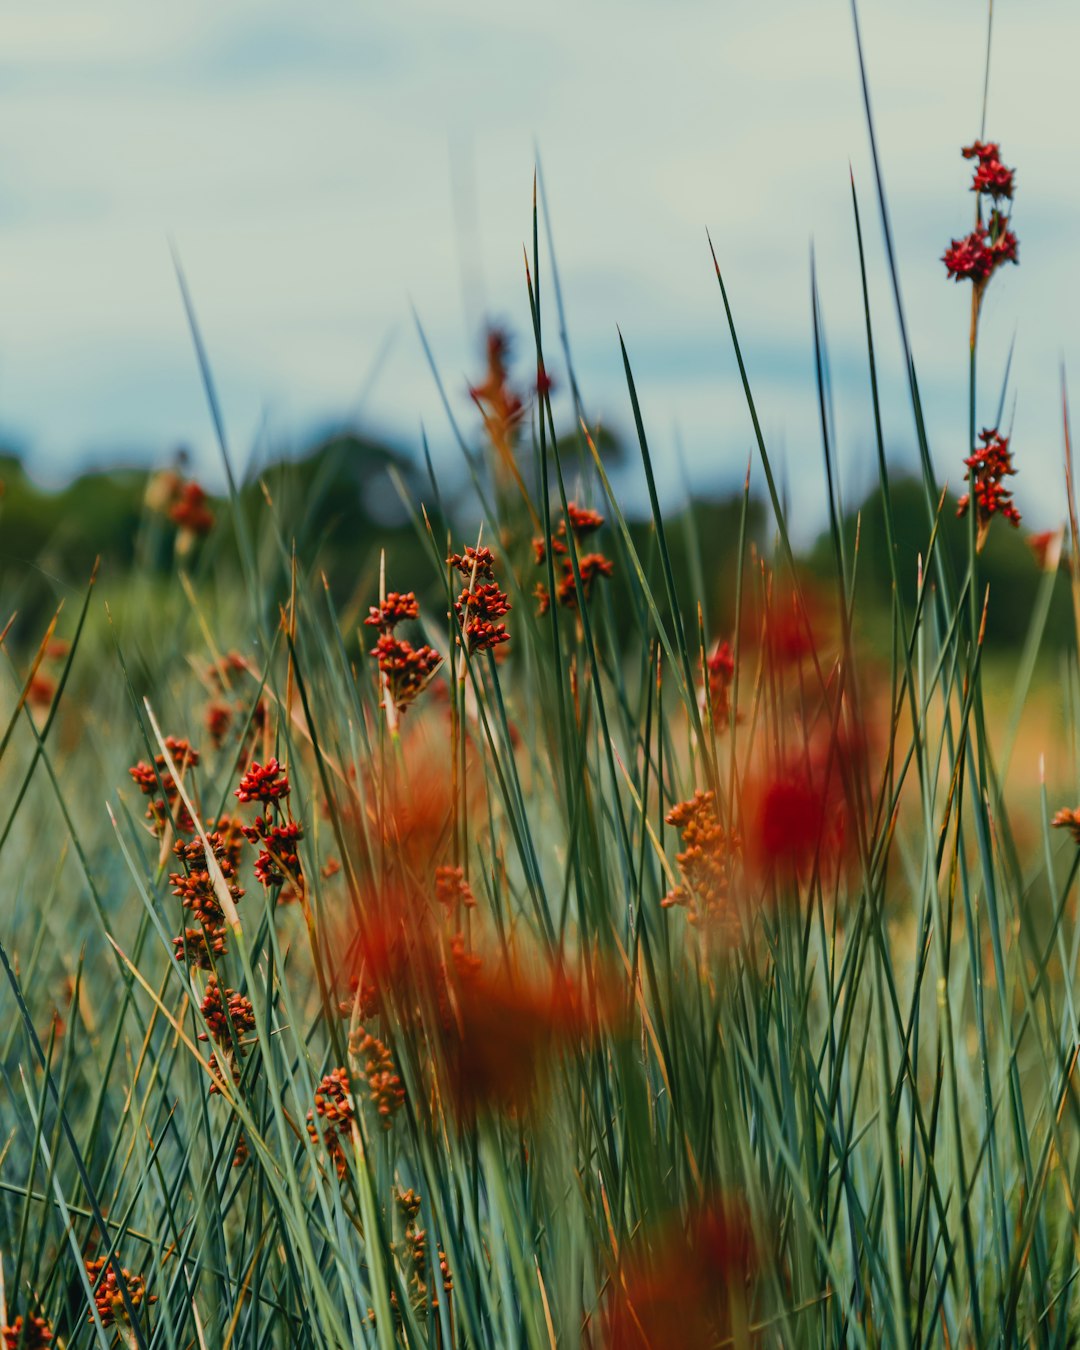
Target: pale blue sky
(323,167)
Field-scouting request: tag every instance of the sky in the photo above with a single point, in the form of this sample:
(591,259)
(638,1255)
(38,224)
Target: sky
(326,172)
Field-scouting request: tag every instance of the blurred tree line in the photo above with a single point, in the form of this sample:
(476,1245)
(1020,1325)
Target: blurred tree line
(339,505)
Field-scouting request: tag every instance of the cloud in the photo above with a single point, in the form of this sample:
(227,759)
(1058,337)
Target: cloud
(321,172)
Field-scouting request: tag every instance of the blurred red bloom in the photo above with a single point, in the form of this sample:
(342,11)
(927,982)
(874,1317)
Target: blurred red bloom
(30,1333)
(107,1296)
(1046,547)
(191,512)
(1067,819)
(504,1026)
(687,1289)
(42,691)
(993,179)
(720,673)
(583,519)
(789,822)
(501,405)
(789,634)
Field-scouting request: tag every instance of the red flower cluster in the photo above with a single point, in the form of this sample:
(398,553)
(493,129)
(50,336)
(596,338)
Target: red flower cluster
(335,1109)
(481,603)
(395,608)
(977,256)
(194,886)
(148,777)
(26,1333)
(229,1017)
(405,669)
(278,859)
(200,946)
(221,1009)
(991,177)
(987,467)
(107,1295)
(582,521)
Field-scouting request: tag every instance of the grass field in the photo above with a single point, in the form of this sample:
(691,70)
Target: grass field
(543,964)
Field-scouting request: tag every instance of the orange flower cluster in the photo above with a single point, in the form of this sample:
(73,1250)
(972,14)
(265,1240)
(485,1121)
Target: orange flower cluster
(415,1253)
(107,1296)
(27,1333)
(452,890)
(480,606)
(335,1110)
(1068,819)
(385,1085)
(230,1069)
(705,862)
(200,946)
(583,521)
(500,404)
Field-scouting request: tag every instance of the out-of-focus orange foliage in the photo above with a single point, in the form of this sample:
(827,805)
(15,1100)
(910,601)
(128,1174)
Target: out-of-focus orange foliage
(490,1027)
(688,1291)
(409,809)
(503,1027)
